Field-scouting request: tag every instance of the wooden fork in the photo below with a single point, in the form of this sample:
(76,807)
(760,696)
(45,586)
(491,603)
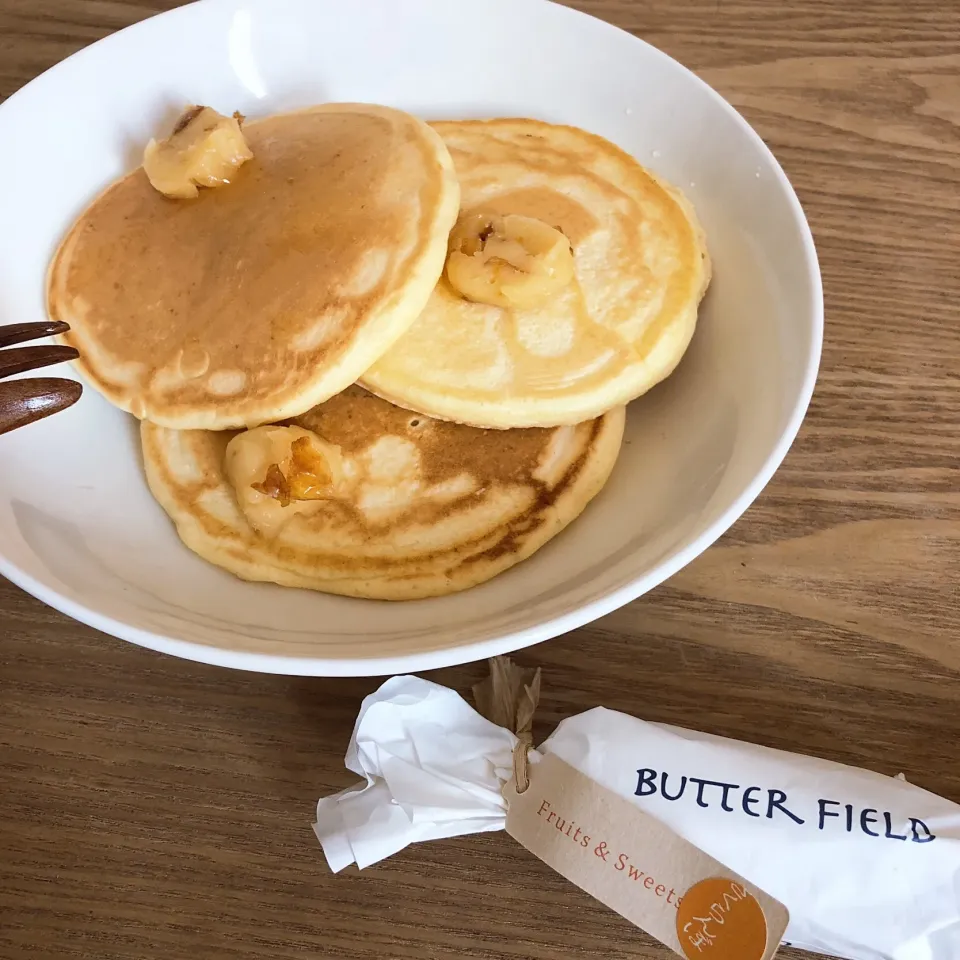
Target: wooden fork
(26,401)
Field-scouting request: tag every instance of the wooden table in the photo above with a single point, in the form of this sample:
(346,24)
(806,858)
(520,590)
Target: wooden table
(160,809)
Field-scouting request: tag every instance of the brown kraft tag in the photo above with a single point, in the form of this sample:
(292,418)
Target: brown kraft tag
(640,868)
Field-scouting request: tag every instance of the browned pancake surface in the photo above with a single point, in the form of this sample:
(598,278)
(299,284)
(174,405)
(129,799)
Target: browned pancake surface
(227,309)
(429,507)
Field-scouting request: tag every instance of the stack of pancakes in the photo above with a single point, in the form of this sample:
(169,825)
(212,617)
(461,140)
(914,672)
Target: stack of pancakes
(382,358)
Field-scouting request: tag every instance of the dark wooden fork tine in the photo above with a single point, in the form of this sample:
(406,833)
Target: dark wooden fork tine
(20,332)
(29,358)
(26,401)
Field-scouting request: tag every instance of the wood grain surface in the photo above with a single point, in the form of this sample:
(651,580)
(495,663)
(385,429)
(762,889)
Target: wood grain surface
(153,808)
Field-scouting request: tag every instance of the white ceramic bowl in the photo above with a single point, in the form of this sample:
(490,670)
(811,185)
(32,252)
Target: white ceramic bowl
(78,528)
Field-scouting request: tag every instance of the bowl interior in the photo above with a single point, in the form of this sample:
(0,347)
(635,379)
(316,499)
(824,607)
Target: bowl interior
(78,527)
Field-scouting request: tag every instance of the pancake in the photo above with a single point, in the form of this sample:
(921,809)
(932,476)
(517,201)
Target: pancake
(259,299)
(622,324)
(418,507)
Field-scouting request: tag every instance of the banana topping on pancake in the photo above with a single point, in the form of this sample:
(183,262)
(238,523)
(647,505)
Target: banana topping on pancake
(363,498)
(509,261)
(278,472)
(204,150)
(572,284)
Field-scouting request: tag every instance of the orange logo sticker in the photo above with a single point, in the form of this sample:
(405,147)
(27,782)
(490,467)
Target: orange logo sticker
(719,919)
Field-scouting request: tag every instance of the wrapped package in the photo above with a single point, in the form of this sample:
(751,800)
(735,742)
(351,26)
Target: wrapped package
(867,865)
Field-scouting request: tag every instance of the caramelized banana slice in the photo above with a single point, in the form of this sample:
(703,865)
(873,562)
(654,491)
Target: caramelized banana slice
(205,150)
(277,472)
(508,261)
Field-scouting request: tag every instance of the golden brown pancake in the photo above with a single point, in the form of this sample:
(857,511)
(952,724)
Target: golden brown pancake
(259,299)
(420,508)
(621,325)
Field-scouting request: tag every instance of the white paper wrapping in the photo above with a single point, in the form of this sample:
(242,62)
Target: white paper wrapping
(868,866)
(433,768)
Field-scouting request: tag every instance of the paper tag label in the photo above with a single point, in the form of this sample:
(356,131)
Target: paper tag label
(640,868)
